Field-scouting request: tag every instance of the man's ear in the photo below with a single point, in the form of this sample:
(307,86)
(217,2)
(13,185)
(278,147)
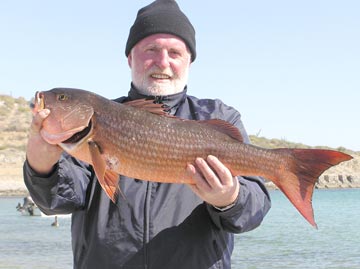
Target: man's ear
(129,59)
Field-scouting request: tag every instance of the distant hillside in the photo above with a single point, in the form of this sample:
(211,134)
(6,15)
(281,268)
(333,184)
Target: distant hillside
(343,175)
(15,119)
(281,143)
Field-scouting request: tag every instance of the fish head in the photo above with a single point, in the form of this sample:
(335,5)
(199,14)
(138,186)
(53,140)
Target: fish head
(70,113)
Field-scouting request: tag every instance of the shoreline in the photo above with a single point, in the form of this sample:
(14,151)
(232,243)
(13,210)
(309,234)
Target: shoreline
(330,181)
(14,186)
(23,193)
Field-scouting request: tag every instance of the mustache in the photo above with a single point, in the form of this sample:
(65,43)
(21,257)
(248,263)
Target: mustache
(155,70)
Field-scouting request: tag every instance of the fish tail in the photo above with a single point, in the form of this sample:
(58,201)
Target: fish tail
(297,178)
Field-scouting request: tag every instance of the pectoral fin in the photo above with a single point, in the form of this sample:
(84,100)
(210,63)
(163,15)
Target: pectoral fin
(108,179)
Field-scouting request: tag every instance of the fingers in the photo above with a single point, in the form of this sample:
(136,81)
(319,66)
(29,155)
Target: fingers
(215,172)
(200,181)
(222,172)
(210,174)
(37,120)
(40,155)
(213,181)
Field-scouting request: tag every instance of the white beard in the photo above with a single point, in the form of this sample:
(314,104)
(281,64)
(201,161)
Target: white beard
(167,87)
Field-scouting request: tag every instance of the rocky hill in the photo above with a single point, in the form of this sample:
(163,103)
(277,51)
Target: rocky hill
(15,118)
(344,175)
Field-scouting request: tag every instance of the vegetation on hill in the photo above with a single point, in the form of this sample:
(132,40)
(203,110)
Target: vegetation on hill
(15,118)
(282,143)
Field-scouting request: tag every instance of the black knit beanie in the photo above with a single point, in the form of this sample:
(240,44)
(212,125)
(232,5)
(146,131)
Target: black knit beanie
(162,17)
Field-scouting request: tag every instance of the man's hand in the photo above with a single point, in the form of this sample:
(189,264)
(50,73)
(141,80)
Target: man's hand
(40,155)
(213,182)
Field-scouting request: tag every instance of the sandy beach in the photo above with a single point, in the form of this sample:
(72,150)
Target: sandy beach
(11,175)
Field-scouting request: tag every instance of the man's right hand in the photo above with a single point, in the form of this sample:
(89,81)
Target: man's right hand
(41,155)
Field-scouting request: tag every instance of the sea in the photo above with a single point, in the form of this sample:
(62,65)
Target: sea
(284,239)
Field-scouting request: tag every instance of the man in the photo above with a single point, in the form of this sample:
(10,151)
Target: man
(152,225)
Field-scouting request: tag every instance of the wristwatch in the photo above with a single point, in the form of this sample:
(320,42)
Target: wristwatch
(222,209)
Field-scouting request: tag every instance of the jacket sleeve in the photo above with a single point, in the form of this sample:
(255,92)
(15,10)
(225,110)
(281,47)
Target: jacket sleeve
(253,201)
(64,190)
(250,208)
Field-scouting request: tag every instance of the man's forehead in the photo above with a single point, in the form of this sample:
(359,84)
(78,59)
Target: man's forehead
(163,39)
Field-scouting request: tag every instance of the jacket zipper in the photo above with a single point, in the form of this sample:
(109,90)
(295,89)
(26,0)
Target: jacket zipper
(146,236)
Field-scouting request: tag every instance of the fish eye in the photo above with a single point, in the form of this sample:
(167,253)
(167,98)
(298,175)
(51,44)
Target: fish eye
(62,97)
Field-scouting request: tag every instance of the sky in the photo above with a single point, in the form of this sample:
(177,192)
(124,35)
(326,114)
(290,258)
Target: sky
(291,68)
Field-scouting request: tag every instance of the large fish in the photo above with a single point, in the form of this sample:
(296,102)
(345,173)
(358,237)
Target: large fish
(137,139)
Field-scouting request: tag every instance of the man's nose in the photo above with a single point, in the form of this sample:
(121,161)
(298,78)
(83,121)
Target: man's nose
(163,59)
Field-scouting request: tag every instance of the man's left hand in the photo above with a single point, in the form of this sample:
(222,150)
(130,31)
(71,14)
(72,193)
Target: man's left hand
(214,182)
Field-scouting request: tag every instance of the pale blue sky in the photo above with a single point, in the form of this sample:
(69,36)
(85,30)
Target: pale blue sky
(292,68)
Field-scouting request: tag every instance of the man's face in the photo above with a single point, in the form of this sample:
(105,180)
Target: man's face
(160,64)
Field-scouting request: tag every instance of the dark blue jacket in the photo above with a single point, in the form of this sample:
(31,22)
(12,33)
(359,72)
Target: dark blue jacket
(153,225)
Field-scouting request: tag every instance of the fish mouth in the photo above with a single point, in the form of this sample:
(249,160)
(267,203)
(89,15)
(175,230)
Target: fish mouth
(68,137)
(39,102)
(79,135)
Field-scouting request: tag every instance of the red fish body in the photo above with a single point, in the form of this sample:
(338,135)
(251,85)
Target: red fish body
(139,141)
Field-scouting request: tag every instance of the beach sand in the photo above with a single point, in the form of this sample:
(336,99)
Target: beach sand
(11,181)
(11,173)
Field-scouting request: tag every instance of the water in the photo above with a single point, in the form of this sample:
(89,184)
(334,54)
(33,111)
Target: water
(31,242)
(284,240)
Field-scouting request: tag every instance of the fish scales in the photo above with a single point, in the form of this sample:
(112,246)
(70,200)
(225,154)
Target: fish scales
(129,140)
(139,129)
(159,146)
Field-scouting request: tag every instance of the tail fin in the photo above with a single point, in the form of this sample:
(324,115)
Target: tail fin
(303,168)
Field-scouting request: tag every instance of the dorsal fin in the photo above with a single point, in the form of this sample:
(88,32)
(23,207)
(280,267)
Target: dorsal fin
(148,105)
(224,127)
(160,109)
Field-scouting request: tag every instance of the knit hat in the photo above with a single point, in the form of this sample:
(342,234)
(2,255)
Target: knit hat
(162,17)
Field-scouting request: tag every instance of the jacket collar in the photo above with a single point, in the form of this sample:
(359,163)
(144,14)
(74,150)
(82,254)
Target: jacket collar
(172,101)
